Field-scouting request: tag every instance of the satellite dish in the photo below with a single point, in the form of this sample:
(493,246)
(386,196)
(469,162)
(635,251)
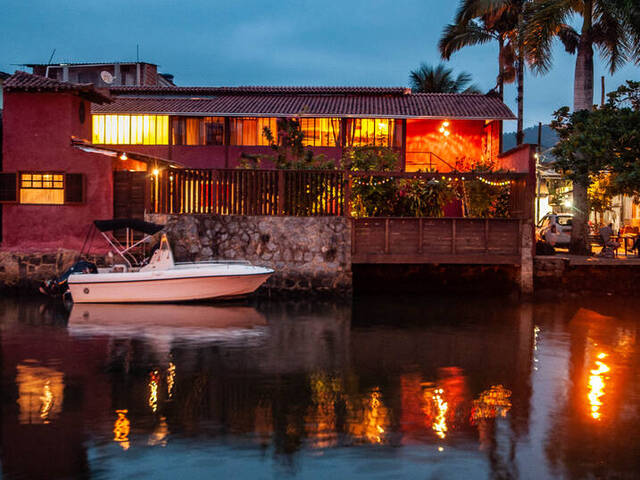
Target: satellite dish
(106,77)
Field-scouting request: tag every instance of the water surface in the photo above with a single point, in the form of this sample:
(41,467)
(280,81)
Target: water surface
(386,387)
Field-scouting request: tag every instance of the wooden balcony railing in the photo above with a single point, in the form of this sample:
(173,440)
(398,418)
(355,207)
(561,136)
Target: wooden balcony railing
(290,192)
(248,192)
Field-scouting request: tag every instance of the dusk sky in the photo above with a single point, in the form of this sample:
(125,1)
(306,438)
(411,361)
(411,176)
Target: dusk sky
(286,42)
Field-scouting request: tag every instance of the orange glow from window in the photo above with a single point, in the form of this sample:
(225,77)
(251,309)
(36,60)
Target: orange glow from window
(130,129)
(491,403)
(435,407)
(121,429)
(153,391)
(320,132)
(596,386)
(42,188)
(40,392)
(369,423)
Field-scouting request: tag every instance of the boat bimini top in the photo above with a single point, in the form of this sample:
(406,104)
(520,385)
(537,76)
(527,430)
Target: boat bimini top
(107,227)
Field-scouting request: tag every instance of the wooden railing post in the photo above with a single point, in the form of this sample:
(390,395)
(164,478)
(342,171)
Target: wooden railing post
(346,200)
(281,192)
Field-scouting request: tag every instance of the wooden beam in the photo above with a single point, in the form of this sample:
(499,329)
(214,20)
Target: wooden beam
(472,259)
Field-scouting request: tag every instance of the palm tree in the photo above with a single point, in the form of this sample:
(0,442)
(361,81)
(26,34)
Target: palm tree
(480,21)
(613,27)
(440,79)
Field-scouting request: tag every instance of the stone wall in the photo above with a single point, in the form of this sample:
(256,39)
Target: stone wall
(308,254)
(557,276)
(23,272)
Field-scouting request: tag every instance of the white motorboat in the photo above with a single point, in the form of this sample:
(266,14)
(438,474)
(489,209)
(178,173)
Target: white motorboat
(163,280)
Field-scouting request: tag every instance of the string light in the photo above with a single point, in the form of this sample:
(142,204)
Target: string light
(495,184)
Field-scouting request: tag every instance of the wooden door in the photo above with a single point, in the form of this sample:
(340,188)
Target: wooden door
(129,190)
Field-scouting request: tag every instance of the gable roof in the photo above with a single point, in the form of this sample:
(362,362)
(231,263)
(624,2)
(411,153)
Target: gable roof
(306,101)
(27,82)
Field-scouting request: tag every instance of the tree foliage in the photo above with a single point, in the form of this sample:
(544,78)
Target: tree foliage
(603,140)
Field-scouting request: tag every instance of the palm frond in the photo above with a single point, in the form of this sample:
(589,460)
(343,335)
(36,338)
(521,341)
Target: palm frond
(471,9)
(569,38)
(456,37)
(439,79)
(543,19)
(609,33)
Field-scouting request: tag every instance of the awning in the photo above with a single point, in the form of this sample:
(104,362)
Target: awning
(89,147)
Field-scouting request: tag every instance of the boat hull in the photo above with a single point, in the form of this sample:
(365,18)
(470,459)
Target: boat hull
(165,289)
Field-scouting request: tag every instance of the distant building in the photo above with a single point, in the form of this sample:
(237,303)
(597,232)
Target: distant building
(104,74)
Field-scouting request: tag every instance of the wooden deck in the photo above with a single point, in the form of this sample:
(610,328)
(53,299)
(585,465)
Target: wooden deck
(490,241)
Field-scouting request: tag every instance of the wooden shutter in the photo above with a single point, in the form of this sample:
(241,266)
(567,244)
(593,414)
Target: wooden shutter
(73,188)
(8,187)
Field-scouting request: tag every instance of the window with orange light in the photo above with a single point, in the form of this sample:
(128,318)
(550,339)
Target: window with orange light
(249,131)
(378,132)
(320,132)
(49,188)
(42,188)
(197,130)
(129,129)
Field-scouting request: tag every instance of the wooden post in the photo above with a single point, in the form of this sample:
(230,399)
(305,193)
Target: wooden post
(281,192)
(346,201)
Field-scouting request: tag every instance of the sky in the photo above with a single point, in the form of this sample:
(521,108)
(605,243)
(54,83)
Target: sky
(283,42)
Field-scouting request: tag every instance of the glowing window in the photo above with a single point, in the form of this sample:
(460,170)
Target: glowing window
(378,132)
(130,129)
(197,130)
(320,132)
(42,188)
(250,130)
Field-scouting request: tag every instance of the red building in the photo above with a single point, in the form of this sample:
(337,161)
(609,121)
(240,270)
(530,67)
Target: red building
(56,177)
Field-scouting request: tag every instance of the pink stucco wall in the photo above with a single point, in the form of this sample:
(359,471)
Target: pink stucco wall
(37,128)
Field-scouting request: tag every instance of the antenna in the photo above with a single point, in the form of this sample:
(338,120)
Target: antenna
(51,57)
(137,53)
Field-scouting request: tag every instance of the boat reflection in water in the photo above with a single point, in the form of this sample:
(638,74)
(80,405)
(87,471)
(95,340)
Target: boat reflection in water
(166,323)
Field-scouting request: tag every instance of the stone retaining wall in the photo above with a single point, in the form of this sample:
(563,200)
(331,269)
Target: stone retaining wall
(23,272)
(557,276)
(308,254)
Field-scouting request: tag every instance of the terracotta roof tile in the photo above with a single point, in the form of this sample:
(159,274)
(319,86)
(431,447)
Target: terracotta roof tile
(26,82)
(260,90)
(418,105)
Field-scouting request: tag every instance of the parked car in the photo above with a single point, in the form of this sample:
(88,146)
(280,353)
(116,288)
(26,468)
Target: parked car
(556,229)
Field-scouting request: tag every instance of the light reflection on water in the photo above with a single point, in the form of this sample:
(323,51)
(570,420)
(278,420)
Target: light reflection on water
(380,388)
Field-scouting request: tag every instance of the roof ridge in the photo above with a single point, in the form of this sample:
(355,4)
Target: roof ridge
(268,89)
